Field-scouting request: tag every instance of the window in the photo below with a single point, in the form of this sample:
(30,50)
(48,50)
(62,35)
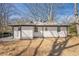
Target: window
(35,29)
(58,29)
(45,28)
(19,28)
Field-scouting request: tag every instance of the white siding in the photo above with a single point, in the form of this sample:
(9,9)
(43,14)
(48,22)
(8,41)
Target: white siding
(16,33)
(28,32)
(63,32)
(50,32)
(39,33)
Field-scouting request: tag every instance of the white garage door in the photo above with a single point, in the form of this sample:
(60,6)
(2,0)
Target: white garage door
(27,32)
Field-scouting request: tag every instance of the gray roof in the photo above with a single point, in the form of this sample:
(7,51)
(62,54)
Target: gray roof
(40,25)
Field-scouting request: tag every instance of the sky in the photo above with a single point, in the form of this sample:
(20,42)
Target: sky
(61,10)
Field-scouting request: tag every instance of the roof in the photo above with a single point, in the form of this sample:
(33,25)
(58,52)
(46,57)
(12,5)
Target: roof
(40,25)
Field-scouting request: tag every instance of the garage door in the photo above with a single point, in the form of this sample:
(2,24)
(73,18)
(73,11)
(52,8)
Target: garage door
(27,32)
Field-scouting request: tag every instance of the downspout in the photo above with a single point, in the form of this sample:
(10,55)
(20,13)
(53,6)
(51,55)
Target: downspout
(13,32)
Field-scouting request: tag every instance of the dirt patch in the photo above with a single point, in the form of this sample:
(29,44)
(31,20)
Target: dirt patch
(14,49)
(32,48)
(45,47)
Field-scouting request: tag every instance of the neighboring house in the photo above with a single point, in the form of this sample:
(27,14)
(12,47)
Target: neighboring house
(30,31)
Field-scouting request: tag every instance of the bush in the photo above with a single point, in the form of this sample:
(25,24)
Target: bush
(72,29)
(5,34)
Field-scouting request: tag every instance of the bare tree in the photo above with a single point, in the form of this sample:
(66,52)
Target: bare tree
(40,12)
(7,10)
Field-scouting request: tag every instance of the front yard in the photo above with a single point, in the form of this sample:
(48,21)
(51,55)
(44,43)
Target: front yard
(41,47)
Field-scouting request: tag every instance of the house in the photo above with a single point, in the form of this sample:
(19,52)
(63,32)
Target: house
(31,30)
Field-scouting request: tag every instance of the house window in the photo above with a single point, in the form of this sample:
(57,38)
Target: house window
(58,29)
(45,28)
(35,29)
(19,28)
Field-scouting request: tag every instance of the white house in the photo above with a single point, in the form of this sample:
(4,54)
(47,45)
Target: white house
(30,31)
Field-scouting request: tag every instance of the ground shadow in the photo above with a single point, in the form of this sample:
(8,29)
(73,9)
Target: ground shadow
(25,48)
(58,47)
(36,50)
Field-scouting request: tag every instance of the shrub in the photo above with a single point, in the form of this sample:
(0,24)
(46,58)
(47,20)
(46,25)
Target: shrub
(72,29)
